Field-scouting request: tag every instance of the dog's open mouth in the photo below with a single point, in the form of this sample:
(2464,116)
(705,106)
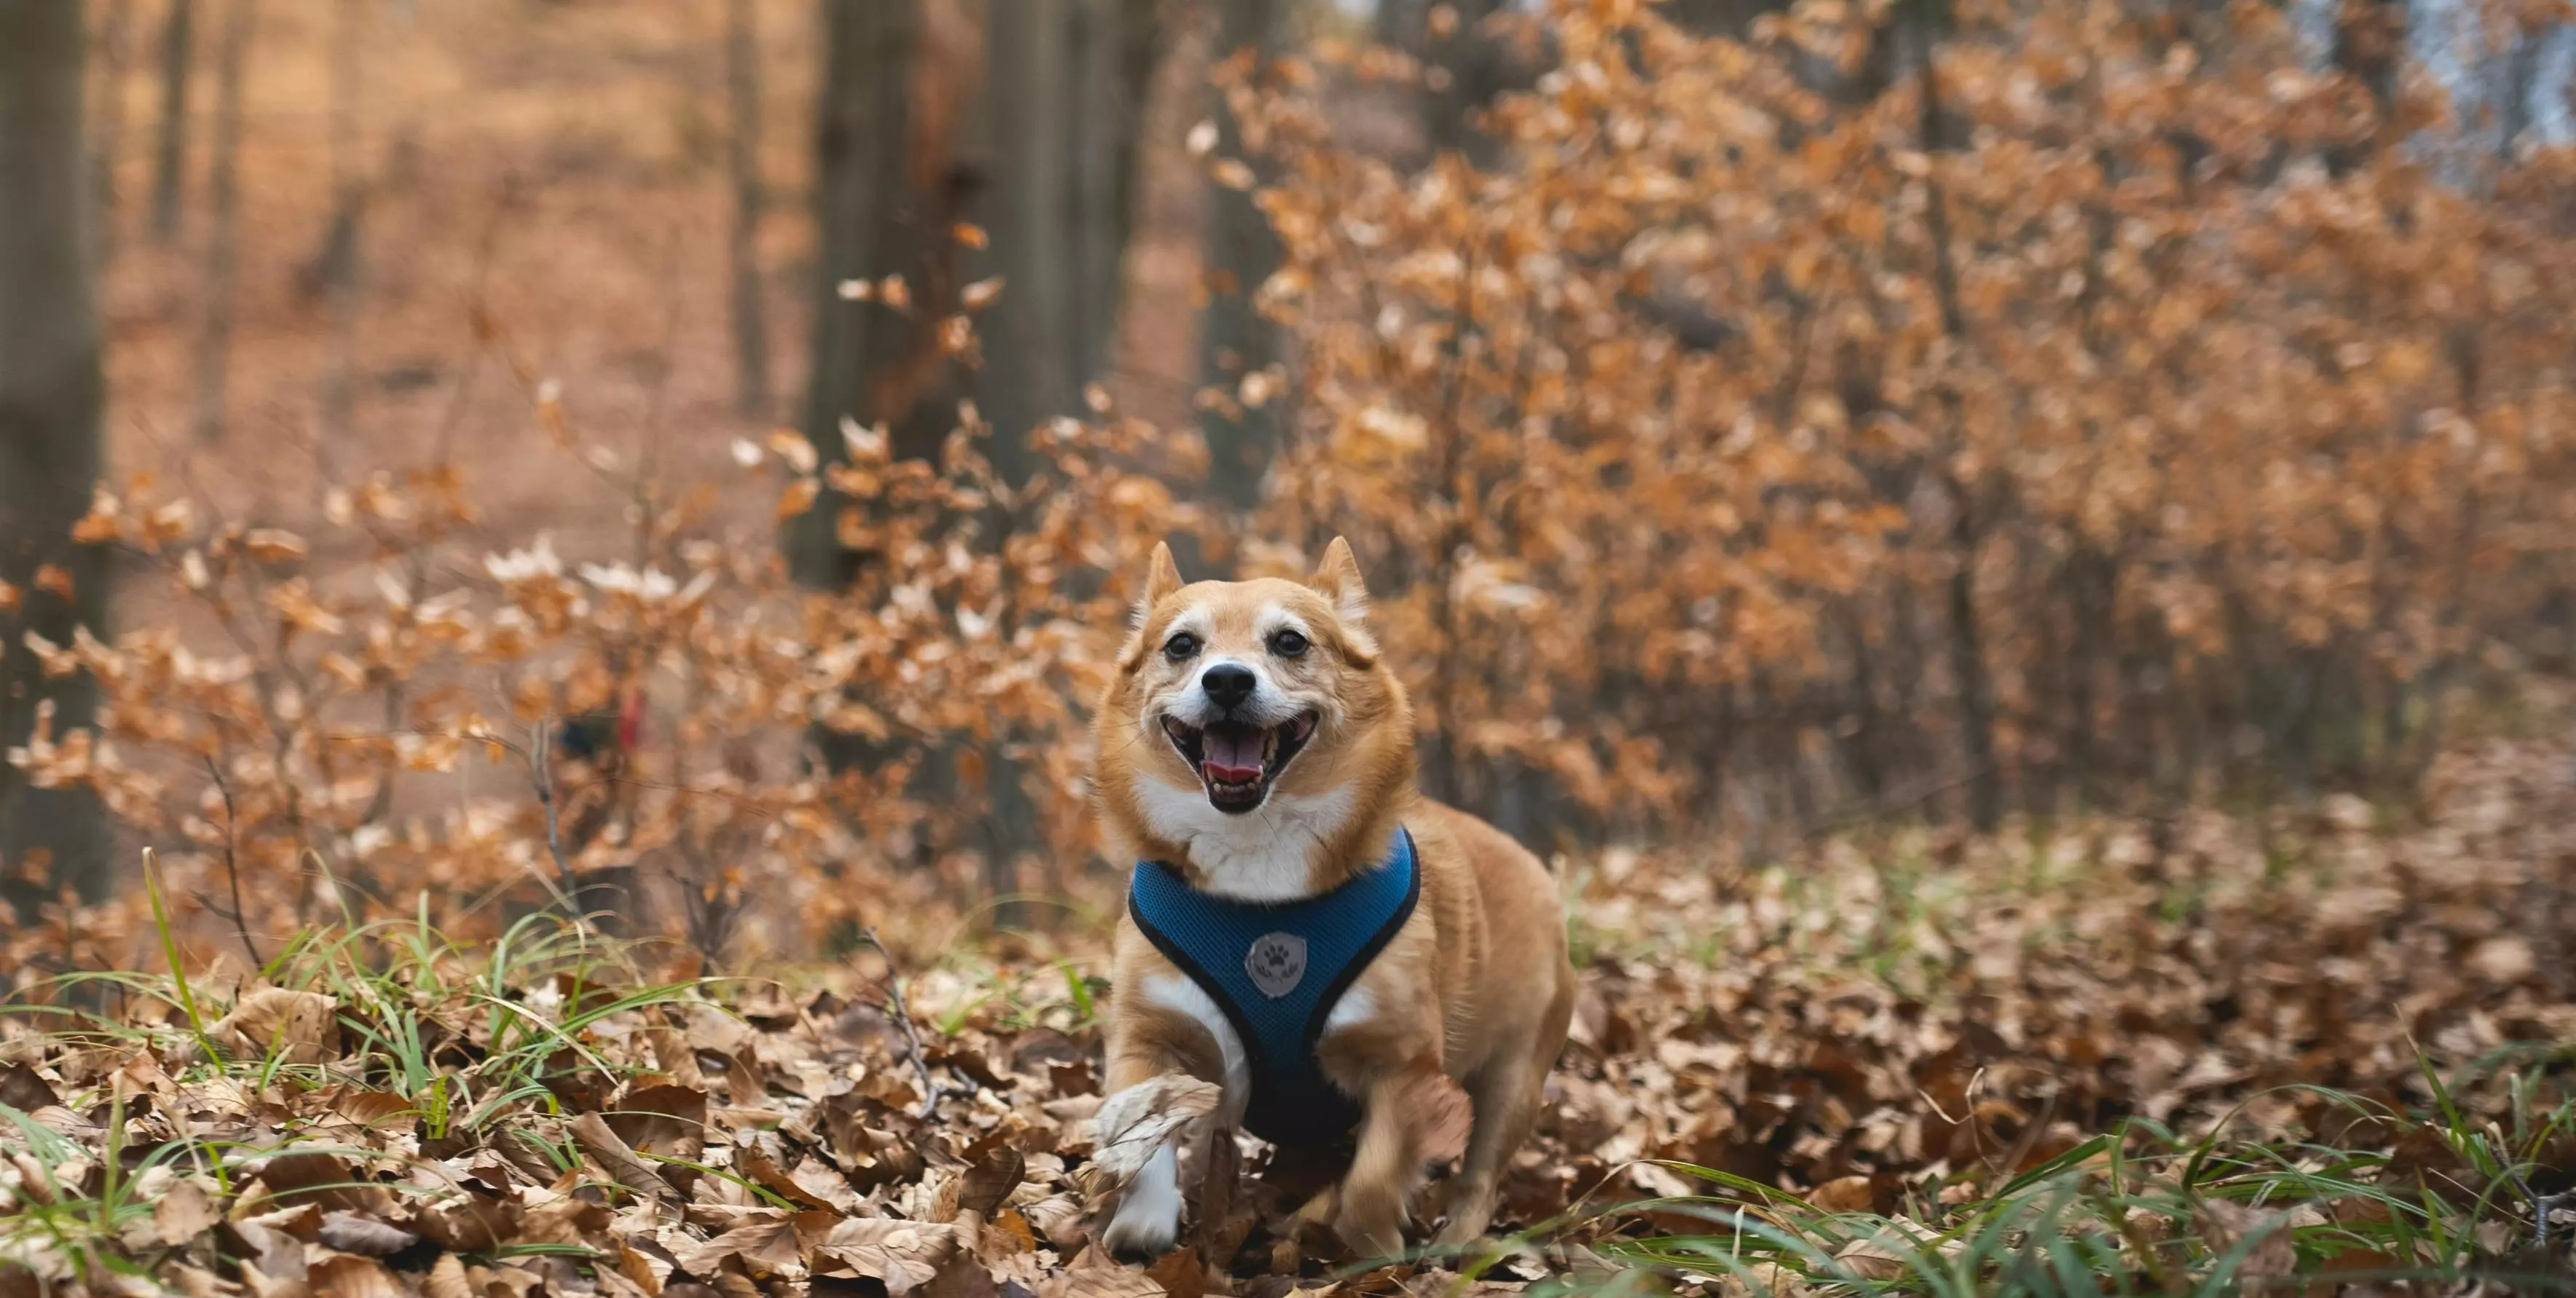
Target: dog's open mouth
(1236,760)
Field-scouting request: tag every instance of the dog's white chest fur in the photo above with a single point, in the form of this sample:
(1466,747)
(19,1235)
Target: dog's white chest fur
(1263,855)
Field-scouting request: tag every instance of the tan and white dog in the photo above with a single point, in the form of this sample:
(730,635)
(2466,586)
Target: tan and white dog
(1255,741)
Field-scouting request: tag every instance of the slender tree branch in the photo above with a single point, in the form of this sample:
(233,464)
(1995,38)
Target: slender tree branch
(541,771)
(903,1018)
(232,864)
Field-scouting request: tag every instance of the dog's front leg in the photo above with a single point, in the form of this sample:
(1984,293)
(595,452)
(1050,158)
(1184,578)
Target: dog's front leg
(1164,1031)
(1148,1221)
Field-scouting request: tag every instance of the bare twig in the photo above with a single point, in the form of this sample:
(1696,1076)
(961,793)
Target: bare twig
(1456,527)
(903,1017)
(739,802)
(478,317)
(232,863)
(541,771)
(2029,1136)
(2541,1204)
(1873,810)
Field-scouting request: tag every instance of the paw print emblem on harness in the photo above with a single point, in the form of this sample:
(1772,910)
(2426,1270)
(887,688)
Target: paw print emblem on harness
(1276,962)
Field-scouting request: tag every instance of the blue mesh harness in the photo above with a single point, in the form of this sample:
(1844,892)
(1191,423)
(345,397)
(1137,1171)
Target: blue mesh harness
(1276,970)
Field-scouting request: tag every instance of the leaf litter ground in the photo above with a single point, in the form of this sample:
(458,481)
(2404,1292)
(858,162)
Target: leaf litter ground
(2147,1055)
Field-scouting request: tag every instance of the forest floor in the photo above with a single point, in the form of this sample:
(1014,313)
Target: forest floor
(2164,1055)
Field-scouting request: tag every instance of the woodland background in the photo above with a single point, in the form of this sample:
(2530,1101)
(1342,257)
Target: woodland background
(1759,422)
(2013,555)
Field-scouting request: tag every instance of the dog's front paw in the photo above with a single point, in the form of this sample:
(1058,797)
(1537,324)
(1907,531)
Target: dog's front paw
(1370,1231)
(1148,1220)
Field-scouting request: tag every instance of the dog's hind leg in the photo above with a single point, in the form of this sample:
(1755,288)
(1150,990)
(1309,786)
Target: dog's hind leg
(1370,1217)
(1506,1097)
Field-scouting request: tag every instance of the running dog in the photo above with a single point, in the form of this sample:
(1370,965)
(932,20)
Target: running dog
(1304,928)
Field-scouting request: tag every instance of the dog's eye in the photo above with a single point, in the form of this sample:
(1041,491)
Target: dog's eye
(1180,646)
(1288,644)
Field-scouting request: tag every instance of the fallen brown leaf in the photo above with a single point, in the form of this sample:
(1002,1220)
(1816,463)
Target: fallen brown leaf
(1092,1275)
(621,1164)
(23,1090)
(183,1212)
(649,1273)
(294,1026)
(905,1255)
(992,1179)
(1843,1194)
(961,1277)
(352,1232)
(765,1247)
(2227,1225)
(667,1120)
(447,1279)
(470,1223)
(1180,1273)
(1135,1122)
(353,1277)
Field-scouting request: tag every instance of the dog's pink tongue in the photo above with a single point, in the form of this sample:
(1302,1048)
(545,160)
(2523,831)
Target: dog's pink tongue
(1232,754)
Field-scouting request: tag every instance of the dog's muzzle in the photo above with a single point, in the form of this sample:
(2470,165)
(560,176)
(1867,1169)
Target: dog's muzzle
(1239,760)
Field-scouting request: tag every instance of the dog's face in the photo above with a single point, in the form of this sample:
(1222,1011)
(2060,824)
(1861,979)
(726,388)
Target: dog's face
(1255,690)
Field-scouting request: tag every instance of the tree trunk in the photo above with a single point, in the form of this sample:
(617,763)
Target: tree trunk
(170,156)
(1064,98)
(342,257)
(889,187)
(1464,73)
(115,50)
(1398,24)
(1730,18)
(1144,39)
(1921,25)
(214,343)
(1242,252)
(1116,45)
(750,318)
(1029,333)
(1091,124)
(2522,71)
(1968,669)
(1056,131)
(50,395)
(2369,47)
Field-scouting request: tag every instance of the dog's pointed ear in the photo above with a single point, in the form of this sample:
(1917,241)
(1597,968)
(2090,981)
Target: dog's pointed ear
(1337,579)
(1162,577)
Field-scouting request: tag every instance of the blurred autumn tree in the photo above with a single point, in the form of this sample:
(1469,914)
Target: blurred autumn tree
(976,167)
(974,158)
(1891,407)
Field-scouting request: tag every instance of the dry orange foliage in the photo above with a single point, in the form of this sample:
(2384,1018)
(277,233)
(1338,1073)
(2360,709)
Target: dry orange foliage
(412,725)
(2072,397)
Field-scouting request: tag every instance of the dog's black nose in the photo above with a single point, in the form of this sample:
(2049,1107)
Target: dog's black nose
(1228,684)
